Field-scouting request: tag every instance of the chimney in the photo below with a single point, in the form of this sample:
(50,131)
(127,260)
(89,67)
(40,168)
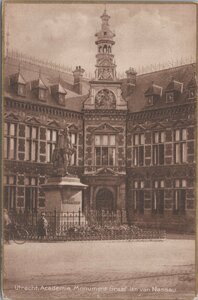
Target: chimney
(130,81)
(78,74)
(131,76)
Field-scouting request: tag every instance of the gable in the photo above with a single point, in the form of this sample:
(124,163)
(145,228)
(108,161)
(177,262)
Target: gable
(138,128)
(104,128)
(11,117)
(33,120)
(158,126)
(53,124)
(105,171)
(180,123)
(73,127)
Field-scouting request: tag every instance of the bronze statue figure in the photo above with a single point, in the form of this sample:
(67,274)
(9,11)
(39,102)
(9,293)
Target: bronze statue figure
(62,154)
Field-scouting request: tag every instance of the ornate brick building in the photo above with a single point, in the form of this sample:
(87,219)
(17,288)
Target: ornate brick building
(135,137)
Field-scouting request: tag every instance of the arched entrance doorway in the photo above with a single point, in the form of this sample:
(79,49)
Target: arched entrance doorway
(104,200)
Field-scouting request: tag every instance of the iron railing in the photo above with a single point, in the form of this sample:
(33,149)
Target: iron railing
(92,225)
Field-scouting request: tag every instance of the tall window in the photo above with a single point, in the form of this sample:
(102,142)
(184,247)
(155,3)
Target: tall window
(180,146)
(32,143)
(138,197)
(31,194)
(51,142)
(179,205)
(158,148)
(158,197)
(138,149)
(73,137)
(10,141)
(10,192)
(105,150)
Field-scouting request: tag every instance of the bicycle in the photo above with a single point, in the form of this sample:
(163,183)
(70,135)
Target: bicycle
(16,233)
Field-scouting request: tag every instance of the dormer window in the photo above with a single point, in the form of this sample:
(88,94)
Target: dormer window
(18,83)
(21,90)
(191,94)
(42,94)
(169,97)
(173,90)
(61,99)
(59,93)
(153,94)
(192,87)
(150,100)
(39,89)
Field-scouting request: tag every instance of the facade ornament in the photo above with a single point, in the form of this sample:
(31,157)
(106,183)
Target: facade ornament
(105,99)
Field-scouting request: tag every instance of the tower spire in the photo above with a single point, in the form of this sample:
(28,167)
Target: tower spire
(105,66)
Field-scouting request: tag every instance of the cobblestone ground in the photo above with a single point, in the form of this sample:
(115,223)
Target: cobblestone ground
(100,270)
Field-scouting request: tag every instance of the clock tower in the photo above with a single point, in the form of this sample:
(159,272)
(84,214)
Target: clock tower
(105,113)
(105,89)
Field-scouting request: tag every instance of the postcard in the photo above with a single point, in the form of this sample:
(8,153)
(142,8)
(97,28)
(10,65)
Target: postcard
(99,150)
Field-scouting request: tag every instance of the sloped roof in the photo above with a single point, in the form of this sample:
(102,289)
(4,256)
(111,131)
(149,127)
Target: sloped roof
(137,100)
(49,77)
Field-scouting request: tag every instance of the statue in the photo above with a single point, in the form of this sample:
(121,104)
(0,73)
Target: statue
(62,154)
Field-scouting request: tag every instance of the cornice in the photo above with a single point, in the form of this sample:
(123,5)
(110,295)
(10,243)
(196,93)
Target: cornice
(41,108)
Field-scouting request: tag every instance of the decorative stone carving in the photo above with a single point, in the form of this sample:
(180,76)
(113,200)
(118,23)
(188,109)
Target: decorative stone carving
(105,74)
(105,99)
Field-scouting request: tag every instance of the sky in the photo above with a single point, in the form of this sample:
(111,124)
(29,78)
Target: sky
(65,33)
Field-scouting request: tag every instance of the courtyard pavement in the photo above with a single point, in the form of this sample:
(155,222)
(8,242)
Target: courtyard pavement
(100,270)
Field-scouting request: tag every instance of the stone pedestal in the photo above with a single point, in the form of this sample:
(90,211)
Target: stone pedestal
(64,195)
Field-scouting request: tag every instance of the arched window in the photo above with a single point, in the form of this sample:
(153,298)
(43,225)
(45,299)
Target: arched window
(105,49)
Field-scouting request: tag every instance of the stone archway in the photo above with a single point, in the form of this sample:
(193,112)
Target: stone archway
(104,200)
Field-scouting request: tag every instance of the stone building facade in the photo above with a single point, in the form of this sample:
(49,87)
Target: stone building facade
(135,137)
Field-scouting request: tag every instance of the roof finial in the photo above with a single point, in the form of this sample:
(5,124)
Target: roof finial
(59,78)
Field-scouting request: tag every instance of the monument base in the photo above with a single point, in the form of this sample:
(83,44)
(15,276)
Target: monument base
(64,195)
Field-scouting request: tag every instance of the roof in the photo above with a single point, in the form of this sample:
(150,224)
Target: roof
(35,76)
(179,78)
(182,74)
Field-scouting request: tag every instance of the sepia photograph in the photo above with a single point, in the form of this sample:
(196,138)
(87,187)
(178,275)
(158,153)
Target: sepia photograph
(99,150)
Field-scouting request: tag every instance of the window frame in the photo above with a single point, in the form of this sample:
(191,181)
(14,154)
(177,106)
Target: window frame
(173,97)
(138,149)
(179,192)
(103,147)
(10,192)
(138,197)
(180,147)
(8,137)
(158,197)
(32,142)
(50,143)
(156,148)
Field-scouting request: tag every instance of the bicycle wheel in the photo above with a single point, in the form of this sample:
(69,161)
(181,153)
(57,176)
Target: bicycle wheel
(20,236)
